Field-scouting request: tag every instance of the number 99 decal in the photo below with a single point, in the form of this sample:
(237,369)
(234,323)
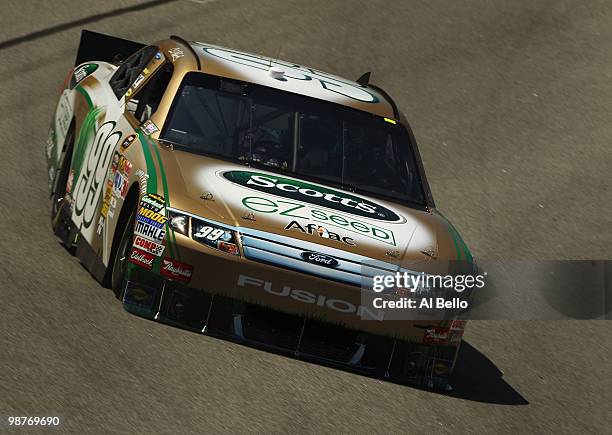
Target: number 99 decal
(209,233)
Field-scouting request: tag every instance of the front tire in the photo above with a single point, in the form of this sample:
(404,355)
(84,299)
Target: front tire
(121,258)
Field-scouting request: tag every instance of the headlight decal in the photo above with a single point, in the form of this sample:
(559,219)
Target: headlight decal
(209,233)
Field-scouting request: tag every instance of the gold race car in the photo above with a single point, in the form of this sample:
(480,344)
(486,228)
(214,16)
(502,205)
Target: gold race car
(241,196)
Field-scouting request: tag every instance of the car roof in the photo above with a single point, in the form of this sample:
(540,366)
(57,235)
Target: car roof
(279,74)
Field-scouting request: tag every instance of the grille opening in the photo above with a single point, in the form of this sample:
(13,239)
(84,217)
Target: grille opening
(328,341)
(377,352)
(268,326)
(221,319)
(185,306)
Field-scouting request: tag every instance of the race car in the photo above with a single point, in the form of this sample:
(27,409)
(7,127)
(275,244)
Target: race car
(243,197)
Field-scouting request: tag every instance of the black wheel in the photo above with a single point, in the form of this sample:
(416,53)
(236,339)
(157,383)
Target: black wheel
(121,257)
(57,200)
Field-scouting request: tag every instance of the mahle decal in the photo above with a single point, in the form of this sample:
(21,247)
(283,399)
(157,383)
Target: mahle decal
(312,193)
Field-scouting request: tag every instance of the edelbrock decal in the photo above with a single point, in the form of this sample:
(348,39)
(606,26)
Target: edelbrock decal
(311,193)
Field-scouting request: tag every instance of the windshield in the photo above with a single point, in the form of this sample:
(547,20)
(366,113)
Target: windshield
(293,134)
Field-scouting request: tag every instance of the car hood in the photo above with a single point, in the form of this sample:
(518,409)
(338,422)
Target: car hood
(255,199)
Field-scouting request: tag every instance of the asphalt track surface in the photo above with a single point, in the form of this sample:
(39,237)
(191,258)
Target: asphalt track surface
(510,103)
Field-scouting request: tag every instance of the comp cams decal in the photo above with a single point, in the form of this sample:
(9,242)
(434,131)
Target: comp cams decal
(311,193)
(148,246)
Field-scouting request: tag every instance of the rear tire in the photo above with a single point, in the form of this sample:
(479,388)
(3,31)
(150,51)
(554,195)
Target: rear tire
(57,199)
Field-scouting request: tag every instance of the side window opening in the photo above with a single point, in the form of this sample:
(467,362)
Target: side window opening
(145,102)
(129,70)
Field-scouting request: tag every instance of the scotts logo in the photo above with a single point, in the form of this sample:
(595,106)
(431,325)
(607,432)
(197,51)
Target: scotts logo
(311,193)
(320,259)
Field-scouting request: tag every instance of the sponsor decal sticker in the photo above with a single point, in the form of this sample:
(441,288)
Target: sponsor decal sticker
(63,116)
(151,218)
(313,194)
(148,246)
(296,210)
(126,143)
(137,294)
(81,72)
(142,178)
(124,166)
(149,127)
(440,369)
(176,53)
(115,162)
(312,228)
(176,270)
(436,335)
(120,185)
(149,231)
(154,202)
(107,200)
(138,81)
(142,259)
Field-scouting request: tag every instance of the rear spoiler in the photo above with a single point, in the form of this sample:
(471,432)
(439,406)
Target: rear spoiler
(104,48)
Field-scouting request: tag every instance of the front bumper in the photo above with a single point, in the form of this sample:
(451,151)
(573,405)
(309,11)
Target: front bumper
(288,312)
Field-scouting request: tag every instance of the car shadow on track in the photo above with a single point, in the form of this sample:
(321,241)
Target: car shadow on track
(476,378)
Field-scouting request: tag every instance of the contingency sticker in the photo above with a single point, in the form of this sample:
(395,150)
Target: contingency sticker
(151,218)
(142,259)
(176,270)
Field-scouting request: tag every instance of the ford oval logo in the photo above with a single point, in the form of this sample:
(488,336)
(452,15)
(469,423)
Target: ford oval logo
(320,259)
